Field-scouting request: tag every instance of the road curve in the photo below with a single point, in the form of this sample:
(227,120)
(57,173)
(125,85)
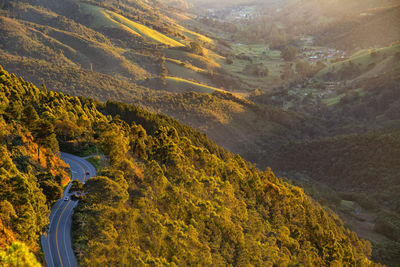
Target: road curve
(56,244)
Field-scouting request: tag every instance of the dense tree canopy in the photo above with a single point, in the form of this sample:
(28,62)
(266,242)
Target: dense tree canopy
(31,172)
(169,196)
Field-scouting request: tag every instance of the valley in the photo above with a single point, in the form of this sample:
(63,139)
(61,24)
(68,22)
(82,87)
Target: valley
(308,88)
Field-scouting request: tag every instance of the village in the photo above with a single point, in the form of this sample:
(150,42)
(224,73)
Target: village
(232,15)
(314,53)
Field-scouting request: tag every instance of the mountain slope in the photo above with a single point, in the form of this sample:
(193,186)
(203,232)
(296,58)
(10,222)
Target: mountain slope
(314,14)
(32,174)
(361,168)
(170,195)
(86,53)
(370,28)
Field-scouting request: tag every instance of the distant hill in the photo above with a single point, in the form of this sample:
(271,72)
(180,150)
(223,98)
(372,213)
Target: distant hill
(369,28)
(343,24)
(184,4)
(370,96)
(363,64)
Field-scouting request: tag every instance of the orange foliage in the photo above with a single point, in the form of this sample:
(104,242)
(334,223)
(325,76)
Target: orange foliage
(272,187)
(138,171)
(6,236)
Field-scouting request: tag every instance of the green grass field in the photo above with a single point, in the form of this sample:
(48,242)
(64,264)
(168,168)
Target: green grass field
(259,54)
(333,100)
(256,50)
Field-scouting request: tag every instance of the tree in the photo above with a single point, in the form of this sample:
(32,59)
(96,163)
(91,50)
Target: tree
(52,190)
(289,53)
(7,213)
(102,189)
(43,88)
(114,143)
(30,116)
(138,139)
(18,254)
(195,48)
(76,186)
(44,134)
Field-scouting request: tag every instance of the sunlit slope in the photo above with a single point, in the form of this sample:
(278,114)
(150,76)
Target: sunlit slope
(68,48)
(184,85)
(195,60)
(194,35)
(107,18)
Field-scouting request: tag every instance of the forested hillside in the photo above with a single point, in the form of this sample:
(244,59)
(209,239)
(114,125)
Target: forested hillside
(169,195)
(33,123)
(363,169)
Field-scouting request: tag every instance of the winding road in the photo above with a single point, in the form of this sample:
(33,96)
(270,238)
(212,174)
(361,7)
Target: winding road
(57,245)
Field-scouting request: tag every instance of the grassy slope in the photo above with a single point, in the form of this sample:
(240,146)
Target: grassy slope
(185,71)
(363,58)
(173,15)
(196,60)
(271,60)
(71,48)
(195,35)
(186,65)
(145,31)
(183,85)
(111,19)
(74,80)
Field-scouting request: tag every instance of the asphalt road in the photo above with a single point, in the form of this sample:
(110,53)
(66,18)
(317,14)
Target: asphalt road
(56,245)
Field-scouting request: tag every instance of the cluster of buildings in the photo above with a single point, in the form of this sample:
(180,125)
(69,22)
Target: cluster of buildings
(318,54)
(322,54)
(237,13)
